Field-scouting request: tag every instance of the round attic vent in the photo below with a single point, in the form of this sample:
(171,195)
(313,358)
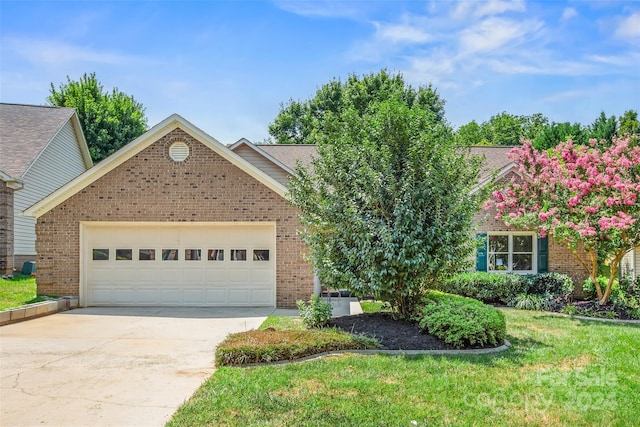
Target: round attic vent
(179,151)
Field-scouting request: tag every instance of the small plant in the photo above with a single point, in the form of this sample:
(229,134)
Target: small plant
(462,322)
(315,313)
(569,309)
(531,302)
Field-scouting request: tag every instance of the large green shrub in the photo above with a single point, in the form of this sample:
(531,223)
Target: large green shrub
(462,322)
(486,287)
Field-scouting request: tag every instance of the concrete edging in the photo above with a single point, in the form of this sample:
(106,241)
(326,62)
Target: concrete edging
(476,351)
(39,309)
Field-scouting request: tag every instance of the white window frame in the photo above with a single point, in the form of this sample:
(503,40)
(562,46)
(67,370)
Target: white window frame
(534,244)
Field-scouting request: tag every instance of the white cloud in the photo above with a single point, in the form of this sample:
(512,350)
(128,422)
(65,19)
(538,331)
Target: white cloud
(402,33)
(629,27)
(568,13)
(565,96)
(54,53)
(324,8)
(494,33)
(497,7)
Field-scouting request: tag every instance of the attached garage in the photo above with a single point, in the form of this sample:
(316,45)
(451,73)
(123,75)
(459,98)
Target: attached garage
(198,264)
(172,218)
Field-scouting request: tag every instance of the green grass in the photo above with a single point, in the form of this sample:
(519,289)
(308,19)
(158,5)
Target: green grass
(18,291)
(559,372)
(373,306)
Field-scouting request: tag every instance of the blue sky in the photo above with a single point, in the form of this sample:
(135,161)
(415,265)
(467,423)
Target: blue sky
(226,66)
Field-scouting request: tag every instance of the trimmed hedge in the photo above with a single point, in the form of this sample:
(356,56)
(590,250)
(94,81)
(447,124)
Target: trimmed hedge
(506,288)
(462,322)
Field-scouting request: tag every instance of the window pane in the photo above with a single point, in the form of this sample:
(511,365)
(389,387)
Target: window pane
(498,243)
(216,255)
(498,262)
(124,254)
(261,255)
(522,262)
(192,254)
(238,254)
(147,254)
(523,244)
(101,254)
(169,254)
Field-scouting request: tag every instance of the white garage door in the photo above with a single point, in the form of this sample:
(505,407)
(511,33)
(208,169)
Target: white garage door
(193,265)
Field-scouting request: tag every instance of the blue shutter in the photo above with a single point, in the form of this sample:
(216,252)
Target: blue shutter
(481,253)
(543,254)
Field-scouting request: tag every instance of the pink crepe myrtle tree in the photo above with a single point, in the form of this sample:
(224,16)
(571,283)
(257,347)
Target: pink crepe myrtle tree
(587,197)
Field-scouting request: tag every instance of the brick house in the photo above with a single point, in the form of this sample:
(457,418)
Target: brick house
(172,218)
(41,149)
(177,218)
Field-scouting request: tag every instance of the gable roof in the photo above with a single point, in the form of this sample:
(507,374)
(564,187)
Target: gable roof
(243,142)
(26,130)
(169,124)
(496,160)
(290,154)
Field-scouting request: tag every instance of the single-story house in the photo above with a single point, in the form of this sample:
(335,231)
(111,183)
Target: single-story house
(172,218)
(177,218)
(41,149)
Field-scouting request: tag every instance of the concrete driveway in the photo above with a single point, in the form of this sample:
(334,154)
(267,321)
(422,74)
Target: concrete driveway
(111,366)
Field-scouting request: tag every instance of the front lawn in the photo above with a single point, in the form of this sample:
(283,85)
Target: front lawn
(560,371)
(18,291)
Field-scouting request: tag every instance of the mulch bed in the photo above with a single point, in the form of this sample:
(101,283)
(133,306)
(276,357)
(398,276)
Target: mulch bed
(392,334)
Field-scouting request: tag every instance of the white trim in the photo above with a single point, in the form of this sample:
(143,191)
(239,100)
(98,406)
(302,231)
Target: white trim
(494,177)
(534,243)
(82,142)
(11,182)
(245,142)
(136,146)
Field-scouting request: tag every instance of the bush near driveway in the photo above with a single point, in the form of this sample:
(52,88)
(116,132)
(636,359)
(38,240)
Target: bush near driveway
(462,322)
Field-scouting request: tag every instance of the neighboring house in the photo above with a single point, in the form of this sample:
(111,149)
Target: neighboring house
(172,218)
(41,149)
(630,264)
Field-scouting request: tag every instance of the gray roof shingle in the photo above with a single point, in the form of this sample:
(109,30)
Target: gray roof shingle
(25,130)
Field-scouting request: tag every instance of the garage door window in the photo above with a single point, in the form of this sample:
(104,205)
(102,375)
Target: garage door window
(124,254)
(147,254)
(261,255)
(192,254)
(216,255)
(169,254)
(238,254)
(101,255)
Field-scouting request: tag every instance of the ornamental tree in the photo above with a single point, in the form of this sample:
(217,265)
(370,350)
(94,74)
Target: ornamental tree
(386,207)
(585,196)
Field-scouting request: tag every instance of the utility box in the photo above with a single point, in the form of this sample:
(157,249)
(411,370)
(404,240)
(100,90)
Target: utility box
(28,268)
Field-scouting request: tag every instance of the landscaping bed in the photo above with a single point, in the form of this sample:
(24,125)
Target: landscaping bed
(391,334)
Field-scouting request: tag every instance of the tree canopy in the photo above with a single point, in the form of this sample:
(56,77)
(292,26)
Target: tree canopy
(300,122)
(109,120)
(387,205)
(586,196)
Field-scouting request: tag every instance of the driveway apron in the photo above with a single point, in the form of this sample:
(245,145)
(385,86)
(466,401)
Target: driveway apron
(111,366)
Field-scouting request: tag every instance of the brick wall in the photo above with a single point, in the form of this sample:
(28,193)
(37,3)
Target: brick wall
(6,229)
(151,187)
(561,260)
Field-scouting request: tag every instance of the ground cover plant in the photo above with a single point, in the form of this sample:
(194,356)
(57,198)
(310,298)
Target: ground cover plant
(559,371)
(19,290)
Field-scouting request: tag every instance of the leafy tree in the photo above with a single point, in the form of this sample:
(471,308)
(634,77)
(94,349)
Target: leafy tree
(603,128)
(504,129)
(534,125)
(386,207)
(555,133)
(586,196)
(629,124)
(300,122)
(109,120)
(470,134)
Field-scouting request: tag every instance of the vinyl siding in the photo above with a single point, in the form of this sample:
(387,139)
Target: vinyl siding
(263,164)
(60,162)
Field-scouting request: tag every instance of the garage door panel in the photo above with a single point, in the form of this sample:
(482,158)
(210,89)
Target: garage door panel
(180,282)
